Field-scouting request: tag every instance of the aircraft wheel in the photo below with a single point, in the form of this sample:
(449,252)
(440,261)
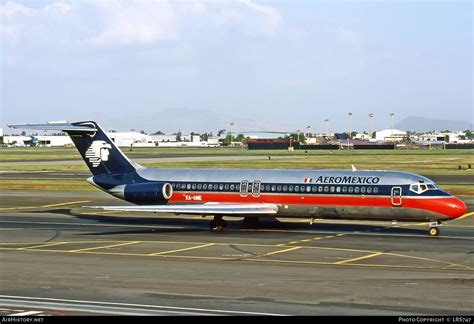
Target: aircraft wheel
(434,231)
(218,225)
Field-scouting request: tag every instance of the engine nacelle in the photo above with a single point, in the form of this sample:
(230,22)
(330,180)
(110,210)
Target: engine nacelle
(148,193)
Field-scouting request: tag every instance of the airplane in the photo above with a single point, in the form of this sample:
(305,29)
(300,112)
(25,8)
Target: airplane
(316,194)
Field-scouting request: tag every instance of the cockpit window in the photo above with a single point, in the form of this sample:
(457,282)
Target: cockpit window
(420,188)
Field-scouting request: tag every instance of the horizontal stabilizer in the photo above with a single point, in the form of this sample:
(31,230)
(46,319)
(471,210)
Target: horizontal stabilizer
(61,126)
(199,209)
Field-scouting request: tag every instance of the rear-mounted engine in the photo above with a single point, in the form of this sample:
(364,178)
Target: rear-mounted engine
(150,193)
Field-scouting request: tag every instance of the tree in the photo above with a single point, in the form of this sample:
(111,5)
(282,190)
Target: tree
(240,138)
(295,137)
(469,134)
(158,133)
(220,132)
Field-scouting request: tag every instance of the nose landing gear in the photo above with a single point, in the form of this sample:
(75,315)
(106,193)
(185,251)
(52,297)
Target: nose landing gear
(434,228)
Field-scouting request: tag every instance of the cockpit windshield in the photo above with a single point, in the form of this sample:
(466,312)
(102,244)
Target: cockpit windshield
(420,188)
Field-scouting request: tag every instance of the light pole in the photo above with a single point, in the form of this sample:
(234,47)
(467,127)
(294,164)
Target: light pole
(350,125)
(230,133)
(370,124)
(327,126)
(391,122)
(298,132)
(308,128)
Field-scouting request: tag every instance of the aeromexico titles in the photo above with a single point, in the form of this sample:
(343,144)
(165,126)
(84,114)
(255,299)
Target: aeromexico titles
(322,194)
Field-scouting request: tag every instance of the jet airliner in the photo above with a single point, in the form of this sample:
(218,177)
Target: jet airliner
(322,194)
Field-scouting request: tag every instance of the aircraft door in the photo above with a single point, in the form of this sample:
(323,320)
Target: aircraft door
(244,186)
(396,196)
(256,188)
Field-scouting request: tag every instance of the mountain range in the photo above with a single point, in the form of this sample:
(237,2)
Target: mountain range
(423,124)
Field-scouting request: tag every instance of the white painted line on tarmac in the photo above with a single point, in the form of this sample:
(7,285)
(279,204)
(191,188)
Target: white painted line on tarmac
(29,313)
(113,304)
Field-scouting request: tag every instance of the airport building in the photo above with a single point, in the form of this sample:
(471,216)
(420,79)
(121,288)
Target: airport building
(390,135)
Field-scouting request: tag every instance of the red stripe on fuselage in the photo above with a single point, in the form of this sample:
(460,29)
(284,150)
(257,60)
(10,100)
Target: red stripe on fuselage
(440,205)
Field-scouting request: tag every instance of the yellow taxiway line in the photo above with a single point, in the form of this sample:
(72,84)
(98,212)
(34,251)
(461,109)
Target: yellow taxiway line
(464,216)
(104,247)
(359,258)
(42,245)
(260,258)
(181,250)
(66,203)
(46,206)
(280,251)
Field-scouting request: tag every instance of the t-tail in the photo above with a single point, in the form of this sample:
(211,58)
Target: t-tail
(99,152)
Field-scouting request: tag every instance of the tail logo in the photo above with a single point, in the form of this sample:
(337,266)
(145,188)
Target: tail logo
(98,152)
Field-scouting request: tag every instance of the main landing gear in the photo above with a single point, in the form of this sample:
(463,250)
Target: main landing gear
(218,224)
(434,229)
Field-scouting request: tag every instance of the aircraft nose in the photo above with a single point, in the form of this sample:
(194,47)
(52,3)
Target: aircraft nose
(458,208)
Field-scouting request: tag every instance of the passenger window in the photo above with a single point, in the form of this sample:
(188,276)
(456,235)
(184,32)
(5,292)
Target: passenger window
(290,188)
(302,188)
(338,189)
(279,188)
(204,186)
(351,189)
(326,189)
(356,190)
(320,188)
(369,190)
(344,189)
(297,188)
(308,188)
(314,189)
(188,186)
(199,186)
(193,186)
(232,187)
(376,189)
(285,188)
(362,190)
(273,187)
(216,186)
(226,187)
(332,189)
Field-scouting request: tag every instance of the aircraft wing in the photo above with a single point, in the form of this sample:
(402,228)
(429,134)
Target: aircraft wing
(199,209)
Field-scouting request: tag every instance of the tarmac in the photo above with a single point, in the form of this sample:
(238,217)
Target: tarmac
(58,258)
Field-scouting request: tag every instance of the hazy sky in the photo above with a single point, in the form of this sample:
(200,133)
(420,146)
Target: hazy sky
(146,64)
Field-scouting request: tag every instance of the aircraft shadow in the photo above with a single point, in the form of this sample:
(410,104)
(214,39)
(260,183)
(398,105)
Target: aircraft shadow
(233,224)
